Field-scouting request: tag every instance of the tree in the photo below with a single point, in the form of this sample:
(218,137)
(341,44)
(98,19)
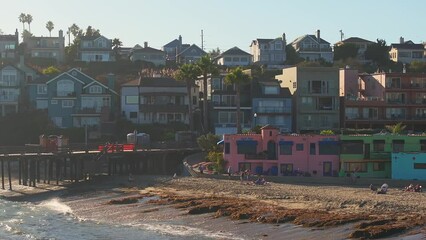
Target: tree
(189,73)
(417,66)
(208,142)
(22,19)
(214,53)
(74,30)
(378,53)
(50,26)
(26,34)
(208,67)
(396,129)
(238,78)
(292,56)
(92,32)
(116,44)
(51,71)
(29,19)
(345,51)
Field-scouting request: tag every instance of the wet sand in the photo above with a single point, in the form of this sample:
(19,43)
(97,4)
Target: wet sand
(229,209)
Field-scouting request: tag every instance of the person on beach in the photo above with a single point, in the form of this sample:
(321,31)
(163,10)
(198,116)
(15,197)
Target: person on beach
(260,181)
(242,172)
(201,169)
(229,171)
(383,189)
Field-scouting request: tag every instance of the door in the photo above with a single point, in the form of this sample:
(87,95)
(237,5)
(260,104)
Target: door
(327,170)
(367,151)
(272,154)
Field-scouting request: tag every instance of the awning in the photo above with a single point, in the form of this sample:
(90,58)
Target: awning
(220,142)
(247,142)
(286,142)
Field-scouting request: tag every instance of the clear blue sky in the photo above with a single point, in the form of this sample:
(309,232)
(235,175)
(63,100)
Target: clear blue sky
(226,23)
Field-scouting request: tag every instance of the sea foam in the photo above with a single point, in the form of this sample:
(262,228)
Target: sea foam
(56,205)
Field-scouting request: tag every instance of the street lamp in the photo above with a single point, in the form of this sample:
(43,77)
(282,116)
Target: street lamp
(254,119)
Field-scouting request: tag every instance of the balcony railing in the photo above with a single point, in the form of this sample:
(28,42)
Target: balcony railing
(272,110)
(9,98)
(380,155)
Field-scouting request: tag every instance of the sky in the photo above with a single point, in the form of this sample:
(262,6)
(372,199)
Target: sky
(225,23)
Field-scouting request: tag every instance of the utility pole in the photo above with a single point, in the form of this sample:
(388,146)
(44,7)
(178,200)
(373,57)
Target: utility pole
(341,35)
(202,40)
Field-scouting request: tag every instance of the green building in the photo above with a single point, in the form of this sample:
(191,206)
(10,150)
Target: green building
(370,155)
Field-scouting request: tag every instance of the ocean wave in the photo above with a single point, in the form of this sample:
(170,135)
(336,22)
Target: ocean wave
(185,231)
(56,205)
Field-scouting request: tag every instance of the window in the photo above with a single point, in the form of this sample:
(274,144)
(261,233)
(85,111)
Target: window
(299,147)
(66,103)
(41,88)
(379,166)
(243,148)
(133,115)
(423,145)
(312,149)
(294,84)
(351,113)
(65,88)
(352,147)
(53,102)
(378,145)
(42,104)
(286,149)
(397,145)
(95,89)
(271,90)
(228,59)
(235,59)
(419,165)
(286,169)
(306,100)
(244,59)
(370,113)
(357,167)
(227,148)
(131,99)
(328,148)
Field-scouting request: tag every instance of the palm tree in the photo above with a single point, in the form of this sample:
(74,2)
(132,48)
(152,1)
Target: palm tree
(29,19)
(396,129)
(207,67)
(238,78)
(50,26)
(188,73)
(74,29)
(116,44)
(22,19)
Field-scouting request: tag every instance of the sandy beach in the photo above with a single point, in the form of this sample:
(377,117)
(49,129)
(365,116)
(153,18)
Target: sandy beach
(231,209)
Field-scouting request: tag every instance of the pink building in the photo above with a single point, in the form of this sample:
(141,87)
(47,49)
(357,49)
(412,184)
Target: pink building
(273,153)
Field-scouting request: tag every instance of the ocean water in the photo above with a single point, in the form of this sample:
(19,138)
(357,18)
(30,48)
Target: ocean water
(52,219)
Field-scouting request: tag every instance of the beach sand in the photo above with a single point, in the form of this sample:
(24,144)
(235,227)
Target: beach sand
(230,209)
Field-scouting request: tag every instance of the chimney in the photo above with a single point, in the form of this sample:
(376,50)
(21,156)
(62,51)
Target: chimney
(111,81)
(61,33)
(318,35)
(180,40)
(283,38)
(401,40)
(145,44)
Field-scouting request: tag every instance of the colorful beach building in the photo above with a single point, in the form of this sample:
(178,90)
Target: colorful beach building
(409,166)
(272,153)
(371,155)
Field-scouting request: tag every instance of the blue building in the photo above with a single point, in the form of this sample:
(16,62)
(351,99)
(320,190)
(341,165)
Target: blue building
(409,166)
(74,99)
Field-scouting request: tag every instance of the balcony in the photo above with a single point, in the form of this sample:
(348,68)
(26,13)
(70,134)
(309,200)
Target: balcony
(260,156)
(273,110)
(167,108)
(9,98)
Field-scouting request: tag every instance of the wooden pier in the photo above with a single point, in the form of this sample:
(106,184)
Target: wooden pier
(32,167)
